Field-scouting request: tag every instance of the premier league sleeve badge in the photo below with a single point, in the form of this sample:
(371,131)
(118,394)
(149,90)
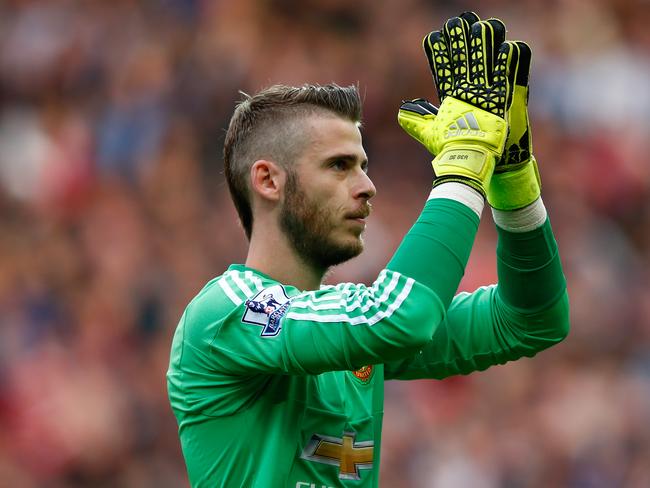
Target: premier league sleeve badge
(266,310)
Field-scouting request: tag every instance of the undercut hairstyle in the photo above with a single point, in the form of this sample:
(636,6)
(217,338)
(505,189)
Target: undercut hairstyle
(269,125)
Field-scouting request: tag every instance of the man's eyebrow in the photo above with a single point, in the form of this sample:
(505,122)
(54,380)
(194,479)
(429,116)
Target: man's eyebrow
(349,158)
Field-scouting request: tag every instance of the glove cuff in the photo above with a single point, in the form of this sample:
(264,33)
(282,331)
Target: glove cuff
(512,190)
(459,179)
(460,192)
(468,164)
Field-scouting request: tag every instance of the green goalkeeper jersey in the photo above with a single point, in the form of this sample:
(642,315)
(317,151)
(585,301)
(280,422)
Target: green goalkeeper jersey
(276,387)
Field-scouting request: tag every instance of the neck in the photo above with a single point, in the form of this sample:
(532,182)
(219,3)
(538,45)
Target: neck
(271,253)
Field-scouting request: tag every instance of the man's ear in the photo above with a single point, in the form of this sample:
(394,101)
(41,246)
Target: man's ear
(267,179)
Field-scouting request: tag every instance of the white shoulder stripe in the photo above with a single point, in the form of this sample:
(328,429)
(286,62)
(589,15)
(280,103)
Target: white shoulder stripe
(229,292)
(254,279)
(365,300)
(323,306)
(377,301)
(327,297)
(337,292)
(240,284)
(362,319)
(396,304)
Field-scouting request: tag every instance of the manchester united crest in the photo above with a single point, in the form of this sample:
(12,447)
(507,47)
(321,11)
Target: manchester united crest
(364,373)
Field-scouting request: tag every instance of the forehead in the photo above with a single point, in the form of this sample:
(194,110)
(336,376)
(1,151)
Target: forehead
(329,135)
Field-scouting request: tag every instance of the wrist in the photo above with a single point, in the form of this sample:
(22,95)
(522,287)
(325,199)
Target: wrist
(521,220)
(460,192)
(515,189)
(470,164)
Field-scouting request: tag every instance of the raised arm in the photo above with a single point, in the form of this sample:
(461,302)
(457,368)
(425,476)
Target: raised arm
(348,328)
(528,310)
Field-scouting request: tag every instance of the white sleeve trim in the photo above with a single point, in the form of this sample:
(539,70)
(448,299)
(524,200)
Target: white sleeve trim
(369,305)
(464,194)
(522,220)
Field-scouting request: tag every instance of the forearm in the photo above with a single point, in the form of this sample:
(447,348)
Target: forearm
(528,310)
(432,258)
(348,326)
(528,262)
(481,330)
(436,249)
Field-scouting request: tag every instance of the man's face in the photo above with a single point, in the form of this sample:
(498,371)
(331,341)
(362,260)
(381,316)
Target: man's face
(327,192)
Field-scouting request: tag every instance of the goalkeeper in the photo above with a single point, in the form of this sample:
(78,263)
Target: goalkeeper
(277,380)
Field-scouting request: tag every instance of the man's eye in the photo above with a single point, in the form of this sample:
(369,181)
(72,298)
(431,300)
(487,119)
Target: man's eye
(340,164)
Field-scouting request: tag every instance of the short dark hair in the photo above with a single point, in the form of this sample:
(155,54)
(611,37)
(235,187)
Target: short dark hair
(267,126)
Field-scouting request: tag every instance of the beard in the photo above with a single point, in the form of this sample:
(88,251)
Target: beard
(309,228)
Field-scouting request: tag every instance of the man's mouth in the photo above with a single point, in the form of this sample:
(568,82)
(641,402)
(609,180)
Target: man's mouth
(359,216)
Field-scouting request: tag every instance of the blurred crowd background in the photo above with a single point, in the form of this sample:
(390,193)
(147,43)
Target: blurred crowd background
(114,213)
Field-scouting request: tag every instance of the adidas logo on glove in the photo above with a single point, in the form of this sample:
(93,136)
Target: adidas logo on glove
(466,125)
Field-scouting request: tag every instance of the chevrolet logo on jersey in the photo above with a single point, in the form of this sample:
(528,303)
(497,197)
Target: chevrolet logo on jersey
(348,455)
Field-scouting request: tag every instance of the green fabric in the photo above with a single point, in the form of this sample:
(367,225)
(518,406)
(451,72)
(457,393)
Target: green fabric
(249,405)
(528,311)
(481,330)
(516,188)
(436,249)
(529,267)
(272,386)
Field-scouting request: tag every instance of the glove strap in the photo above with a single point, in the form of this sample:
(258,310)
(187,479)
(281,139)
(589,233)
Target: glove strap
(515,189)
(468,164)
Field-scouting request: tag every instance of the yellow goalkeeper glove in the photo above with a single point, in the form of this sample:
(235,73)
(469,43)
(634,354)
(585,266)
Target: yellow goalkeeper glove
(471,72)
(516,183)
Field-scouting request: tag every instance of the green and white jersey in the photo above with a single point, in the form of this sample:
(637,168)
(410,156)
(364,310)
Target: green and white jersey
(274,387)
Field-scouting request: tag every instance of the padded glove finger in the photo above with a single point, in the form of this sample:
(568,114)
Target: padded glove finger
(439,57)
(486,38)
(516,182)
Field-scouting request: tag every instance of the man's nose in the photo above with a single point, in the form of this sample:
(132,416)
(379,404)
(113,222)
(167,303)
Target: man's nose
(365,188)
